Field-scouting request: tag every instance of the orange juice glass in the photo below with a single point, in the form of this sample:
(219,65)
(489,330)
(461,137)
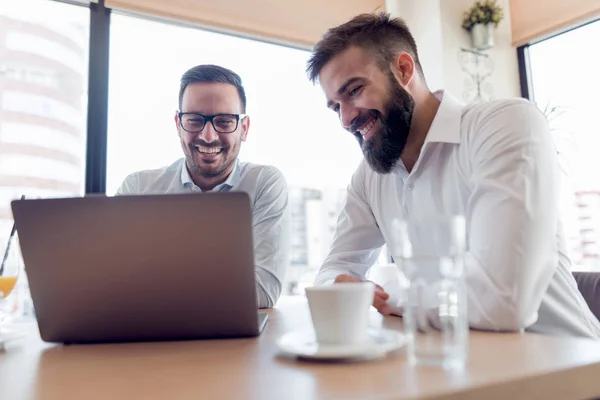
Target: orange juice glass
(9,274)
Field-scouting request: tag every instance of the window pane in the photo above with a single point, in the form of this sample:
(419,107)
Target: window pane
(291,127)
(43,85)
(566,85)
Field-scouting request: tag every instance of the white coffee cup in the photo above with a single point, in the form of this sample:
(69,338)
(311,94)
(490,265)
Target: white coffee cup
(340,312)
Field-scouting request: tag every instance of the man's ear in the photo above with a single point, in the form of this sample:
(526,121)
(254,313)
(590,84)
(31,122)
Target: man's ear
(245,127)
(403,68)
(176,119)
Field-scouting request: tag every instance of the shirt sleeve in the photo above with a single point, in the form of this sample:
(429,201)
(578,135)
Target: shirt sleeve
(271,231)
(129,186)
(512,217)
(357,241)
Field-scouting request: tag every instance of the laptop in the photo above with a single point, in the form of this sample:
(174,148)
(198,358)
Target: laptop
(140,268)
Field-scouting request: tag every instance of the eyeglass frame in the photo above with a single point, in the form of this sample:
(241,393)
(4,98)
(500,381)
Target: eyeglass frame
(210,118)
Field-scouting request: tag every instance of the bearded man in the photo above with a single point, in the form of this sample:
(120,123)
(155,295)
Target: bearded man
(427,154)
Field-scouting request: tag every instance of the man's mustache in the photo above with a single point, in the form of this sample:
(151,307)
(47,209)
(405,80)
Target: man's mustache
(360,121)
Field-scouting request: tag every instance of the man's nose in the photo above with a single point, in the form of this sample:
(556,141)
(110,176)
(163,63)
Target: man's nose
(208,134)
(348,115)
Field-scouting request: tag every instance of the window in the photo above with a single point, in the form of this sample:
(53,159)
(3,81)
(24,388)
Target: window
(291,127)
(43,85)
(565,82)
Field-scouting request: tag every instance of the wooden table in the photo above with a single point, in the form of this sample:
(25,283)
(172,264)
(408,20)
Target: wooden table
(501,366)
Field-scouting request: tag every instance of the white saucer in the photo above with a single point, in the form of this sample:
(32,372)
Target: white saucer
(303,344)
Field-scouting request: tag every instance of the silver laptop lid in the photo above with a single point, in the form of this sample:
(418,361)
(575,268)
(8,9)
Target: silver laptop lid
(135,268)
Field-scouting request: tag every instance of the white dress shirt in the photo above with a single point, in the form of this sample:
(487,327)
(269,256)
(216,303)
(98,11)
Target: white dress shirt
(496,164)
(268,193)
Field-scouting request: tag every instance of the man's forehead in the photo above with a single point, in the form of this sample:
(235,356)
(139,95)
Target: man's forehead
(212,95)
(210,90)
(352,62)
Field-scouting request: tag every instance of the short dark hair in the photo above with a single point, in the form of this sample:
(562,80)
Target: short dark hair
(379,34)
(212,74)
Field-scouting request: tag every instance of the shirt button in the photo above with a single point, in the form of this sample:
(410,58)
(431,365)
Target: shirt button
(410,186)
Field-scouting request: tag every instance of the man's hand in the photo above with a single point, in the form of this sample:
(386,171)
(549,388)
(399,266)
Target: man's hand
(380,298)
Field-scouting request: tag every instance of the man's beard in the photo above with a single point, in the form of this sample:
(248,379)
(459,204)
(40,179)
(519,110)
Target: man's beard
(382,151)
(207,171)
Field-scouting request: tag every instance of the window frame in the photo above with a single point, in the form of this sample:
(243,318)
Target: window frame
(525,78)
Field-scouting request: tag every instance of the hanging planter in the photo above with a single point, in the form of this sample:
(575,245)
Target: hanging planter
(480,21)
(482,36)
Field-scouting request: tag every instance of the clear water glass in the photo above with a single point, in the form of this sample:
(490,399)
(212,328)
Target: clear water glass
(429,253)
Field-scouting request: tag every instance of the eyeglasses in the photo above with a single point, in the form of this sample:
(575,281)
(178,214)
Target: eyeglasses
(193,122)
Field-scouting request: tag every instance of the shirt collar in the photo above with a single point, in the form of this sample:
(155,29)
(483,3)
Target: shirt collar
(231,181)
(445,127)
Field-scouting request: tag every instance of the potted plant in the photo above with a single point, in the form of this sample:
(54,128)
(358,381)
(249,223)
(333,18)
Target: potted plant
(480,21)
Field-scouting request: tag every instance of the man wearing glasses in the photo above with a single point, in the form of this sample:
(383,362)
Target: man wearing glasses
(212,124)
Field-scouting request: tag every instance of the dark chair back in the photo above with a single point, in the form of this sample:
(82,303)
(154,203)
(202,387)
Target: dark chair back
(589,286)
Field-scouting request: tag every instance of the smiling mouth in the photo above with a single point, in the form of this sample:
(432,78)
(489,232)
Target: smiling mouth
(209,150)
(366,129)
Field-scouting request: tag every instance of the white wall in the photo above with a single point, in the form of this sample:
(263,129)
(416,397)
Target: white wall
(505,76)
(424,20)
(436,25)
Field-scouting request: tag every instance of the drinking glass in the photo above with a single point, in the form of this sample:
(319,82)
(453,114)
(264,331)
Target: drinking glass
(429,253)
(10,267)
